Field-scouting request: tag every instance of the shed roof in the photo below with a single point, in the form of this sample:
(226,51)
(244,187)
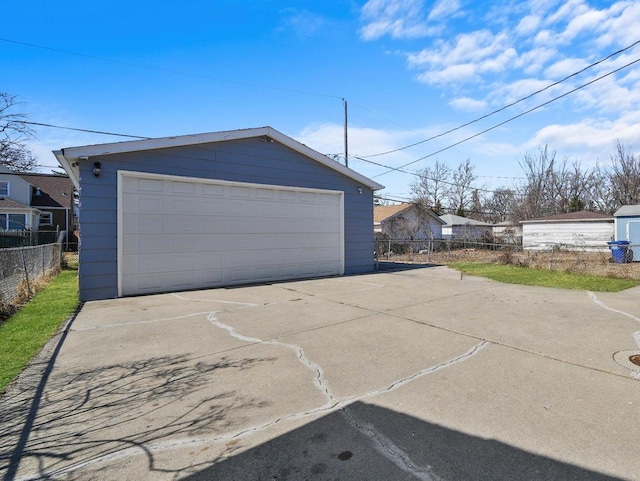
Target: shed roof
(580,216)
(452,219)
(627,210)
(384,212)
(71,157)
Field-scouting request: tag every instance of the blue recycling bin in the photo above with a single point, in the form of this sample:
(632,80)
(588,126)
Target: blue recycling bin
(620,252)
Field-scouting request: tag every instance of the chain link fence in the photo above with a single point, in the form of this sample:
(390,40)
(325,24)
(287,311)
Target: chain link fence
(420,249)
(22,268)
(607,260)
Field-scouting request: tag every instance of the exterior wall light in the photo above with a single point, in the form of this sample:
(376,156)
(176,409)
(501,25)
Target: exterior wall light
(359,190)
(97,169)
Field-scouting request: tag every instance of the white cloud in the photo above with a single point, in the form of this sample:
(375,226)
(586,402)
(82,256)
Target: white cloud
(459,73)
(467,104)
(528,25)
(590,134)
(516,90)
(397,18)
(621,24)
(444,9)
(463,59)
(565,67)
(534,60)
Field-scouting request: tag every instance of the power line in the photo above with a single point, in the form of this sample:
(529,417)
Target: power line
(508,105)
(79,130)
(504,122)
(166,70)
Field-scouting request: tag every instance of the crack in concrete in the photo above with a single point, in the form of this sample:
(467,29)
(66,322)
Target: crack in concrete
(636,335)
(319,381)
(429,370)
(389,450)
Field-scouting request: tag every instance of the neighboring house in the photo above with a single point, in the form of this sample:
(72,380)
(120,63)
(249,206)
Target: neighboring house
(507,232)
(463,228)
(16,212)
(215,209)
(53,196)
(406,222)
(37,202)
(627,227)
(585,230)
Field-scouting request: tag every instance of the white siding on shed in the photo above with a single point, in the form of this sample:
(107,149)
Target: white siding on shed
(591,236)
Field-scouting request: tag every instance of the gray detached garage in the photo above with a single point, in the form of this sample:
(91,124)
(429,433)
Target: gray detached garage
(215,209)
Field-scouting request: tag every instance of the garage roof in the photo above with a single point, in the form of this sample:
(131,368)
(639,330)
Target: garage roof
(580,216)
(71,157)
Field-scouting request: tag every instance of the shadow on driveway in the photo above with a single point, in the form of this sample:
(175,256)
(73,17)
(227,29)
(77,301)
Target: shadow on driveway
(367,442)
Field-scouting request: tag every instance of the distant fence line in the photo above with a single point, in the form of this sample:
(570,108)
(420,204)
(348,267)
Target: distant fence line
(22,267)
(390,247)
(22,238)
(386,249)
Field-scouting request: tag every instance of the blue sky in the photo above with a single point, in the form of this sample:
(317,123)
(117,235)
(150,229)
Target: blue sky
(409,70)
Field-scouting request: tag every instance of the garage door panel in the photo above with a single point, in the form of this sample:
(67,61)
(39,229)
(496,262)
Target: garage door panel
(178,234)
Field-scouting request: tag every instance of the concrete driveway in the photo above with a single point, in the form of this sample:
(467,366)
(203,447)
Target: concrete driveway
(399,375)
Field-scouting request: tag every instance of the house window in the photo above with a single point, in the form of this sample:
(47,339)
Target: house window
(13,221)
(4,188)
(46,218)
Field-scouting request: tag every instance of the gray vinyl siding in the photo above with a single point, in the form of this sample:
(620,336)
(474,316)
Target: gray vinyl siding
(247,160)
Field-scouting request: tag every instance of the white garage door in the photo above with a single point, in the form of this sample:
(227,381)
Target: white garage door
(178,233)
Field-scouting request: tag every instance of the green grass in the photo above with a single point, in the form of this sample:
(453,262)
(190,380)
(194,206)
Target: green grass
(24,334)
(537,277)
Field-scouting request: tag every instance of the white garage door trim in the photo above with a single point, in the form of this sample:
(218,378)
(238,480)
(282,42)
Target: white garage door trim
(319,253)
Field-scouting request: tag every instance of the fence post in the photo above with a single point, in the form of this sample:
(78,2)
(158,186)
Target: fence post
(26,271)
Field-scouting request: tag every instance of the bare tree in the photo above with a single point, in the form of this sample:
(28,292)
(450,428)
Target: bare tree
(500,205)
(432,187)
(624,177)
(601,198)
(14,132)
(461,192)
(537,193)
(573,187)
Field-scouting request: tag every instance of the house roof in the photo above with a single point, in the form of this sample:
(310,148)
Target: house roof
(384,212)
(55,190)
(627,210)
(8,204)
(452,219)
(71,157)
(581,216)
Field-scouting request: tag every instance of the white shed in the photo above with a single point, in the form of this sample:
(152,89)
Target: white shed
(581,230)
(463,228)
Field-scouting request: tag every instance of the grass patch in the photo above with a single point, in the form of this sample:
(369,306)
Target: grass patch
(546,278)
(24,334)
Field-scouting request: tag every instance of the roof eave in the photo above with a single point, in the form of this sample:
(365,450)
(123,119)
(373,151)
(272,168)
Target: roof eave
(70,157)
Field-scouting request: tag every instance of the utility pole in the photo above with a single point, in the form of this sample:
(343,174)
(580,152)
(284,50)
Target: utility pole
(346,139)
